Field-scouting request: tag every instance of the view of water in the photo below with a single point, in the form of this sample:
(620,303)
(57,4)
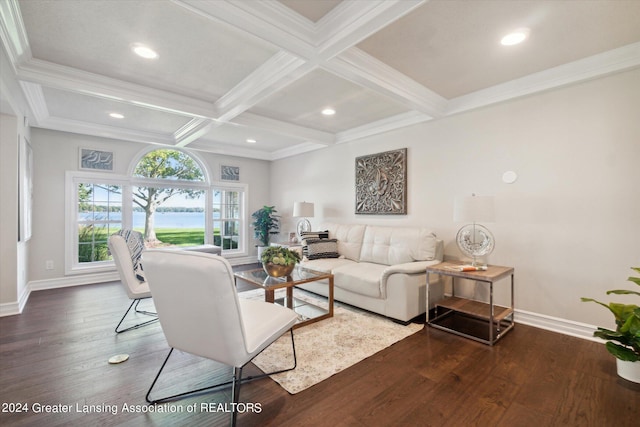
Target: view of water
(163,219)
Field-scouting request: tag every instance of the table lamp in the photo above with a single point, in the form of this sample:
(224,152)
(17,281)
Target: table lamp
(303,210)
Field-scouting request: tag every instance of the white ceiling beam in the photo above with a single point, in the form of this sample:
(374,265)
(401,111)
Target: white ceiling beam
(82,82)
(275,74)
(351,22)
(105,131)
(194,129)
(361,68)
(267,20)
(613,61)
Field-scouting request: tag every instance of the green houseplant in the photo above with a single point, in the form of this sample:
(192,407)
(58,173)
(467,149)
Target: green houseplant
(278,261)
(265,224)
(624,342)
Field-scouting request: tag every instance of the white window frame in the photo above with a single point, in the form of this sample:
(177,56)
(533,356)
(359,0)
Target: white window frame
(244,224)
(127,182)
(72,179)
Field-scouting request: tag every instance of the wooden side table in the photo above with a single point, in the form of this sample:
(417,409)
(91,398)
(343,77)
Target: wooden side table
(483,322)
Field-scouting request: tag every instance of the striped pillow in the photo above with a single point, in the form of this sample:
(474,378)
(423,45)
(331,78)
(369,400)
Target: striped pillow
(322,248)
(306,235)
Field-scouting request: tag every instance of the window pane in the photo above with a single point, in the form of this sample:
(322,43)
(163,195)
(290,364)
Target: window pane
(99,215)
(167,164)
(169,216)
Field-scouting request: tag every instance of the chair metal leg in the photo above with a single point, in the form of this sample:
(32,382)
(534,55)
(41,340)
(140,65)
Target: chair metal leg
(235,393)
(139,325)
(235,387)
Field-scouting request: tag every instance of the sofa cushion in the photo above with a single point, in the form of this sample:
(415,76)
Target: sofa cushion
(360,278)
(397,245)
(326,265)
(349,238)
(322,248)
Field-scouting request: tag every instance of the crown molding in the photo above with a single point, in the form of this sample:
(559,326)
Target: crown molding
(295,131)
(600,65)
(381,126)
(216,147)
(363,69)
(305,147)
(13,33)
(37,103)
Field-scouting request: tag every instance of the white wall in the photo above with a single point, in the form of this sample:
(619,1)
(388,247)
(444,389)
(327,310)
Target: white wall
(56,152)
(13,254)
(570,225)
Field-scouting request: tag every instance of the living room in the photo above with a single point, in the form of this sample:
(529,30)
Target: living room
(568,224)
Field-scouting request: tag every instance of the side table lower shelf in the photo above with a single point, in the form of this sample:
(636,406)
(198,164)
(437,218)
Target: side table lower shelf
(471,319)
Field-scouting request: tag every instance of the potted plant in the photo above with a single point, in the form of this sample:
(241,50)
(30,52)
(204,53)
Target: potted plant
(278,261)
(265,224)
(624,342)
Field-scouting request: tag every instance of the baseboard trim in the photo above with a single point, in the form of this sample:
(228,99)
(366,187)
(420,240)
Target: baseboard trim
(556,324)
(67,281)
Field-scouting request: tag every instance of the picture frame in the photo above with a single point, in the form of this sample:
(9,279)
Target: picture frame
(229,173)
(95,160)
(381,183)
(25,190)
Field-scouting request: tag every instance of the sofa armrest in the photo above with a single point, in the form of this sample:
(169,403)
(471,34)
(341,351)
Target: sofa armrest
(415,267)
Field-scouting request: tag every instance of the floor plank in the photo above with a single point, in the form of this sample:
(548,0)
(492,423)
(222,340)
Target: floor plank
(56,353)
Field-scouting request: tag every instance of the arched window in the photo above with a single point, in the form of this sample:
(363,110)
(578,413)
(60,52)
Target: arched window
(167,196)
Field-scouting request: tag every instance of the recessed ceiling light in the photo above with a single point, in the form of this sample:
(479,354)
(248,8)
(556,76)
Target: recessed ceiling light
(116,115)
(515,37)
(251,141)
(144,51)
(328,111)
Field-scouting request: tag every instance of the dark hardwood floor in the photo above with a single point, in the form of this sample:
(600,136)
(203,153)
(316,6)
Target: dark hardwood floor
(56,354)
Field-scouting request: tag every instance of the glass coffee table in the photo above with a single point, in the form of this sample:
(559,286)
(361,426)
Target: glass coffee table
(307,312)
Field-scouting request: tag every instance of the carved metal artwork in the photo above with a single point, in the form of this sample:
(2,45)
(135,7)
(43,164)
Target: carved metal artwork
(381,183)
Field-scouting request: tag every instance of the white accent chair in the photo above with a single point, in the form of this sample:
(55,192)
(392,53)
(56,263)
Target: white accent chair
(200,313)
(136,289)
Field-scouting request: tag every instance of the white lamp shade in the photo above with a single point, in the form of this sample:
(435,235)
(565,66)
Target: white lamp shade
(303,209)
(473,209)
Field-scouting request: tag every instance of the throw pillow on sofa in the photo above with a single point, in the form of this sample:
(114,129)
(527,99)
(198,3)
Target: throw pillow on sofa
(307,235)
(322,248)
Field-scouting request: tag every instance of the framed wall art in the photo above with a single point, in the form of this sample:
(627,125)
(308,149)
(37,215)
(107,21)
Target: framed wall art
(91,159)
(381,183)
(229,173)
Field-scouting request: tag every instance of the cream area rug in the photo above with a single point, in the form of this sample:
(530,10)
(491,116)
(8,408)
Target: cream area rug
(329,346)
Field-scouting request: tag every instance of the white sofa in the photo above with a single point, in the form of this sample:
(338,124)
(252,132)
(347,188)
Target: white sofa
(380,269)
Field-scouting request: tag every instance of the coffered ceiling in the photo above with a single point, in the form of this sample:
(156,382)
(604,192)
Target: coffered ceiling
(232,71)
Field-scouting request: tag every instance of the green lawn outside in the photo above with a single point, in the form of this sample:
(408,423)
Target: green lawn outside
(93,242)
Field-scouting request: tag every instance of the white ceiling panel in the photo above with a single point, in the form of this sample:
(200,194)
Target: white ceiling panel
(197,56)
(303,101)
(453,47)
(232,70)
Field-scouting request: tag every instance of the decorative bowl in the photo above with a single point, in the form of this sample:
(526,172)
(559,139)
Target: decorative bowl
(277,270)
